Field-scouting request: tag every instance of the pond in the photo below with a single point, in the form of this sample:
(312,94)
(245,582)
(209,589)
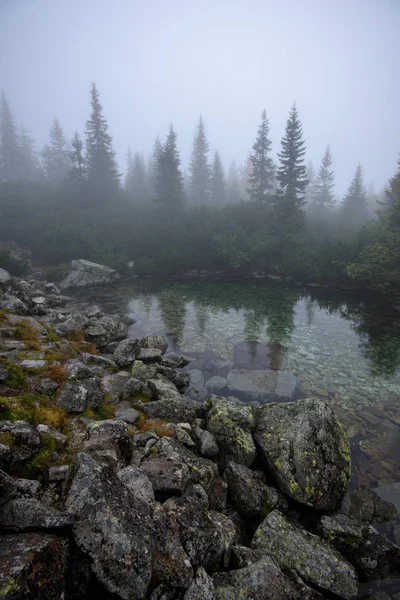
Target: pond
(340,348)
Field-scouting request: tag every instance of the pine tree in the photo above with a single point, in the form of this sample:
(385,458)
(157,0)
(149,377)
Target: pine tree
(129,177)
(292,171)
(29,161)
(324,197)
(244,172)
(136,179)
(102,168)
(152,167)
(392,191)
(217,182)
(169,188)
(77,174)
(55,156)
(260,181)
(199,168)
(10,155)
(233,190)
(354,206)
(310,189)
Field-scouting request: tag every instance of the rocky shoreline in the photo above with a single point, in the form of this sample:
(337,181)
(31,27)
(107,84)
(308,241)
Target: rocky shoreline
(115,485)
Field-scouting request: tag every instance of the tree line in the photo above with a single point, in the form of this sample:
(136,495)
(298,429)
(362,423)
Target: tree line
(282,217)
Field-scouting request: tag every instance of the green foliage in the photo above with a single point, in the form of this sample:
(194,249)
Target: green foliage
(13,266)
(16,378)
(101,413)
(34,409)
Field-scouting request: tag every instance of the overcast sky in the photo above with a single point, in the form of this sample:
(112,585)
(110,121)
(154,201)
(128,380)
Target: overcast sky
(157,61)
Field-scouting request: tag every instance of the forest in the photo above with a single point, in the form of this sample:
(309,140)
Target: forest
(70,201)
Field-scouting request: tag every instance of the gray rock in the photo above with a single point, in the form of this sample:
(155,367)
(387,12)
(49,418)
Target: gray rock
(24,442)
(242,556)
(262,579)
(264,386)
(33,565)
(133,387)
(137,483)
(366,505)
(129,415)
(33,364)
(168,477)
(4,276)
(205,441)
(390,493)
(3,373)
(202,540)
(98,361)
(76,369)
(150,355)
(113,385)
(74,322)
(178,378)
(216,384)
(13,305)
(22,514)
(109,440)
(79,396)
(313,559)
(143,372)
(375,557)
(197,389)
(305,448)
(228,530)
(249,493)
(231,423)
(174,409)
(83,273)
(171,564)
(175,361)
(126,352)
(59,437)
(155,341)
(47,387)
(162,389)
(58,473)
(201,588)
(112,526)
(27,488)
(106,331)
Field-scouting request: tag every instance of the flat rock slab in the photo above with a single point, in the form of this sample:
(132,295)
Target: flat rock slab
(84,273)
(262,386)
(33,565)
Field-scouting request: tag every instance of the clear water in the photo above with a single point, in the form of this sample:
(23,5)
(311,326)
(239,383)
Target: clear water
(342,349)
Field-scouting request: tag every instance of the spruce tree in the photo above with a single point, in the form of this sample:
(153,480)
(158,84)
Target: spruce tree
(217,182)
(354,206)
(77,174)
(310,189)
(129,177)
(102,168)
(55,155)
(136,179)
(323,194)
(292,171)
(199,168)
(233,190)
(10,155)
(152,167)
(29,161)
(169,182)
(261,178)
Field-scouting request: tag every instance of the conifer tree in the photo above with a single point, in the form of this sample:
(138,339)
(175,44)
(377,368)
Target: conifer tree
(29,161)
(310,189)
(233,190)
(325,182)
(217,182)
(102,168)
(169,183)
(55,156)
(77,174)
(292,171)
(354,206)
(260,180)
(199,168)
(136,180)
(152,167)
(10,155)
(129,183)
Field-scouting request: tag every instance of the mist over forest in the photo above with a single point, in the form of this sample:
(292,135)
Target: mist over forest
(267,193)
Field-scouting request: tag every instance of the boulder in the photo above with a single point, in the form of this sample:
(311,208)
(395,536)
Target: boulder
(142,371)
(197,389)
(113,385)
(4,276)
(231,423)
(216,384)
(375,557)
(59,437)
(83,273)
(33,565)
(13,305)
(366,505)
(175,361)
(75,322)
(168,477)
(174,409)
(203,542)
(57,474)
(133,387)
(305,448)
(264,386)
(228,530)
(19,443)
(162,389)
(201,588)
(78,397)
(76,369)
(3,373)
(127,414)
(249,493)
(112,527)
(150,355)
(137,483)
(155,341)
(205,441)
(22,514)
(126,352)
(314,560)
(109,440)
(47,387)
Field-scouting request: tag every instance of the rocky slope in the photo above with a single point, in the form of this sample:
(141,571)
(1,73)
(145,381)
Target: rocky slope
(112,485)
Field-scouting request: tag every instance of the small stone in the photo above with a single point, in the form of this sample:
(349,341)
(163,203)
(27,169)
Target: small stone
(58,473)
(129,415)
(155,341)
(149,355)
(33,364)
(59,437)
(47,387)
(137,483)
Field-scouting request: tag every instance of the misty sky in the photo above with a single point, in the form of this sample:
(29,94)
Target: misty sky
(157,61)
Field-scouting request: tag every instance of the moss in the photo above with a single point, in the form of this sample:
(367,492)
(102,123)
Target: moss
(57,372)
(161,427)
(278,464)
(25,332)
(16,378)
(34,409)
(101,413)
(7,439)
(41,463)
(50,334)
(76,336)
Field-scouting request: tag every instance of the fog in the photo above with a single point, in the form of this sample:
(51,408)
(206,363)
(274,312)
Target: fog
(159,61)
